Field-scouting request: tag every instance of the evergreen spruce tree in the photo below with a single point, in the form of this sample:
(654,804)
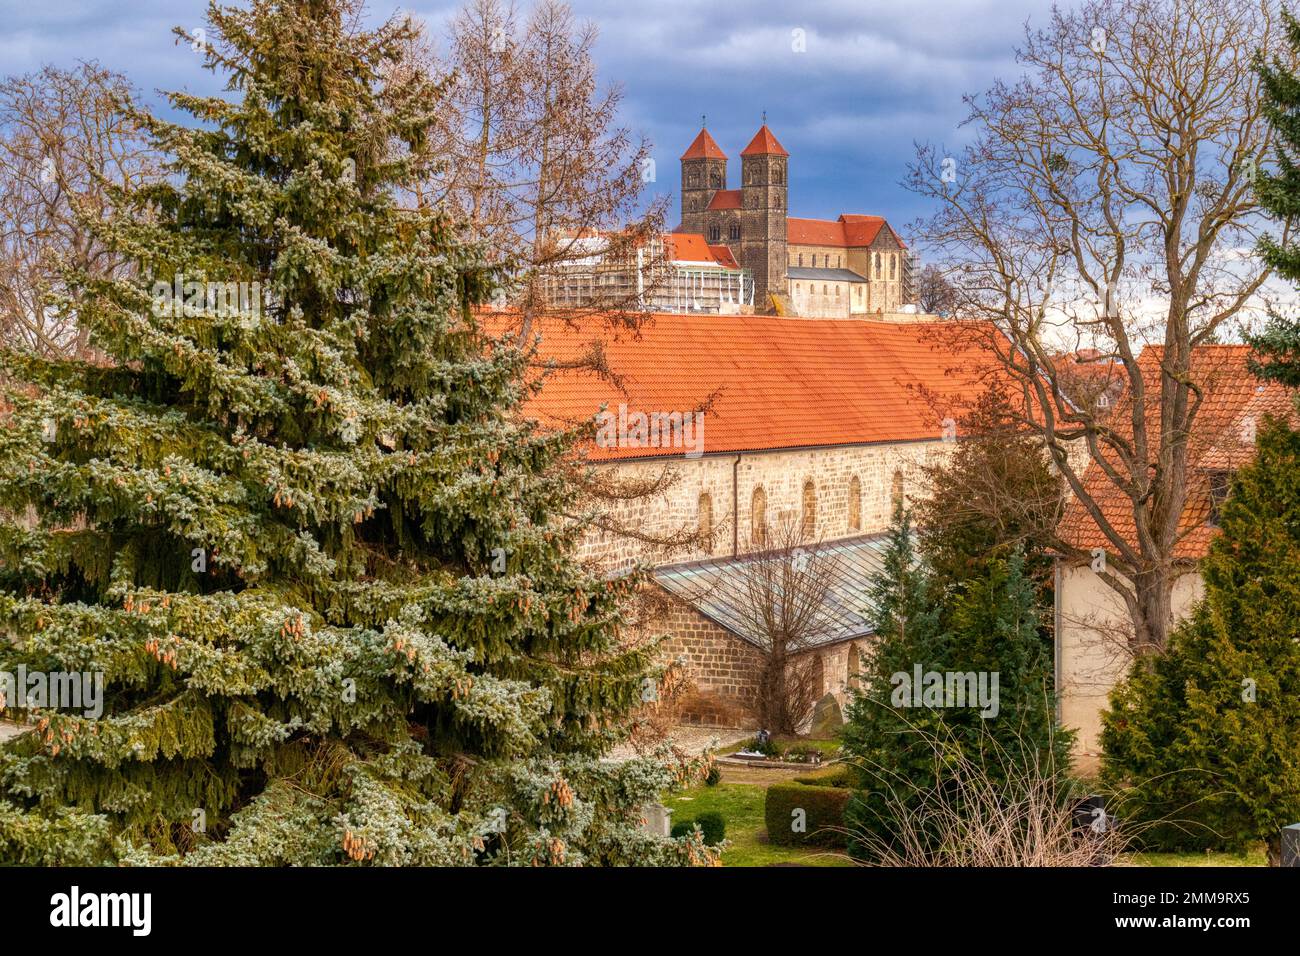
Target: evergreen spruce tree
(990,626)
(1203,741)
(1279,193)
(318,558)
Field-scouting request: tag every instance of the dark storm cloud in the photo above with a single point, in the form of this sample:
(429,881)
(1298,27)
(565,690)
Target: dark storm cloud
(871,78)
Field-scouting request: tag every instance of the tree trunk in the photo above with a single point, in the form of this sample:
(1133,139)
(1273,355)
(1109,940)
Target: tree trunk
(1153,591)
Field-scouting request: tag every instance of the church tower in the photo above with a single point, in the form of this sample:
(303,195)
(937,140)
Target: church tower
(764,186)
(704,172)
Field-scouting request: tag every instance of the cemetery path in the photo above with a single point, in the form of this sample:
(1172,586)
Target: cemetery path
(694,740)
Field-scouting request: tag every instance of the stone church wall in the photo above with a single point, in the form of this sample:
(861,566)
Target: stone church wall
(782,476)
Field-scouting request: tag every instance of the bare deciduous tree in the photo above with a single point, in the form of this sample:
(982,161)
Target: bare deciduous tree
(67,141)
(934,295)
(1106,203)
(781,600)
(537,166)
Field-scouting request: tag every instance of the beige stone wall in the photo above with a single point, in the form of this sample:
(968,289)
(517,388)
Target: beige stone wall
(882,293)
(724,668)
(782,476)
(840,257)
(810,302)
(1091,660)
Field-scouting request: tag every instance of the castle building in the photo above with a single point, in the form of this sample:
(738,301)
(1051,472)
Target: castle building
(855,265)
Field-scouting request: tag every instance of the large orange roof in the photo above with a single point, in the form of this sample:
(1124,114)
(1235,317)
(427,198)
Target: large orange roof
(849,231)
(764,143)
(769,382)
(703,147)
(1222,439)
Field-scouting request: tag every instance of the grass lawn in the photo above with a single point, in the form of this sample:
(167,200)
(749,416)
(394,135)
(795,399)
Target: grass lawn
(741,805)
(1254,857)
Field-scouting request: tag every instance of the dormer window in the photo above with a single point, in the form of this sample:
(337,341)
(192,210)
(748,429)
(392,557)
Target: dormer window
(1220,485)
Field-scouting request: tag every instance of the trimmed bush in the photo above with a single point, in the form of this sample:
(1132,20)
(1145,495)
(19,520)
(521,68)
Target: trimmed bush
(820,823)
(713,826)
(836,776)
(714,776)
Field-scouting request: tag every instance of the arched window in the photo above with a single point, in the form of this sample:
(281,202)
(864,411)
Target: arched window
(877,263)
(837,290)
(715,233)
(823,288)
(695,205)
(838,261)
(855,504)
(801,258)
(758,518)
(693,178)
(706,523)
(734,231)
(808,527)
(855,666)
(896,495)
(715,179)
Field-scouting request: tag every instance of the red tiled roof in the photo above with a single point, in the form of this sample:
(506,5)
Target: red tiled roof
(764,143)
(704,147)
(723,257)
(1222,439)
(771,382)
(687,247)
(725,199)
(691,247)
(849,231)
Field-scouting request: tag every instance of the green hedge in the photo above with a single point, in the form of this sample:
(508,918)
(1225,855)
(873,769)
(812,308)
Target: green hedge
(712,825)
(836,776)
(823,814)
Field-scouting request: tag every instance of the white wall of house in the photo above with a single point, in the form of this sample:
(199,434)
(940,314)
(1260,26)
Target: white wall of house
(1092,623)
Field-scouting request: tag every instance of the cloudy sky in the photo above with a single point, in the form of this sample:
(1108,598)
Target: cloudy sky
(848,85)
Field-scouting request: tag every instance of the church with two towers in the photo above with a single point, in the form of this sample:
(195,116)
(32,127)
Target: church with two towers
(855,265)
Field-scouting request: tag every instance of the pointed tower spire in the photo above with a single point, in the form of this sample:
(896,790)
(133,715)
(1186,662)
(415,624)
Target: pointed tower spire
(703,147)
(764,142)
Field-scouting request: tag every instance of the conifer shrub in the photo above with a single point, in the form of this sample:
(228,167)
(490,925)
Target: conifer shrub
(1202,742)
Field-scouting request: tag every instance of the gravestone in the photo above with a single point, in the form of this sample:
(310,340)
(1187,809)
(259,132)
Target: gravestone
(1291,845)
(827,718)
(658,820)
